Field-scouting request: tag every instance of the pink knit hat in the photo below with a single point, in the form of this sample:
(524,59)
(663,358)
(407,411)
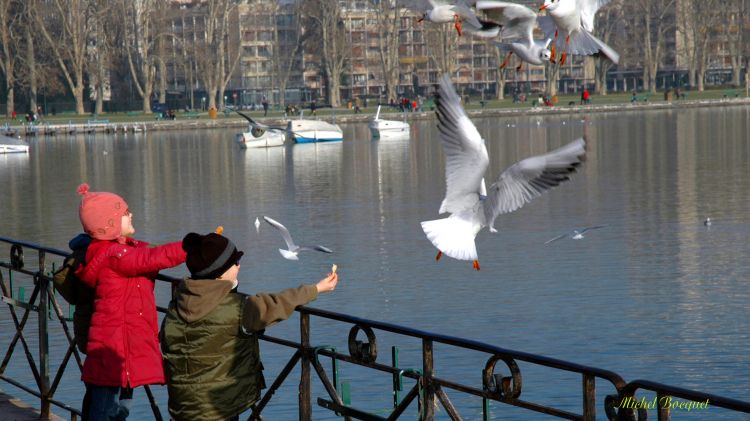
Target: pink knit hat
(101,213)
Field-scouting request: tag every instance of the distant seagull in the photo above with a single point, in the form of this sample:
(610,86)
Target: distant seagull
(471,206)
(707,222)
(573,21)
(293,249)
(436,11)
(257,224)
(517,23)
(575,234)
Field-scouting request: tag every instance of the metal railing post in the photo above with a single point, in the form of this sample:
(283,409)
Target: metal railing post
(428,408)
(305,390)
(43,285)
(589,397)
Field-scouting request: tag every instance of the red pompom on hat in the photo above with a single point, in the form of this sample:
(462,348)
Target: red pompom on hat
(101,213)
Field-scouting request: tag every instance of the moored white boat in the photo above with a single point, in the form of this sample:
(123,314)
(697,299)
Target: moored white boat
(388,129)
(12,145)
(311,131)
(260,138)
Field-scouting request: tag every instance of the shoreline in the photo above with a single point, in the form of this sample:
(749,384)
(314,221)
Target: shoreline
(239,122)
(488,112)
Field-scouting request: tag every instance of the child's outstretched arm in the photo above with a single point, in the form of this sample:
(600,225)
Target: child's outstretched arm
(131,261)
(263,310)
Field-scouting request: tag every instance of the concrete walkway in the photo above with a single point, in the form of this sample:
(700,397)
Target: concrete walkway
(13,409)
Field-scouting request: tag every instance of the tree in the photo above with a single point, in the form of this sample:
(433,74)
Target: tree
(735,14)
(696,24)
(609,22)
(500,74)
(442,47)
(139,39)
(653,20)
(215,60)
(63,25)
(10,17)
(388,16)
(330,34)
(287,44)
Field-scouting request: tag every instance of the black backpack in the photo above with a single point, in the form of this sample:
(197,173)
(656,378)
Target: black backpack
(76,293)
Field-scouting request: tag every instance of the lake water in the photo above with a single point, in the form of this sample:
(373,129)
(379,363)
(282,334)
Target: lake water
(654,295)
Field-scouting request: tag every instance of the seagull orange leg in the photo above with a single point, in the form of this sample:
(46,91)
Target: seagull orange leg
(507,58)
(565,53)
(439,255)
(476,264)
(458,25)
(520,66)
(553,50)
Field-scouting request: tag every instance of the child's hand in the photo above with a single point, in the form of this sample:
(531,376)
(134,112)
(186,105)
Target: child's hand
(328,283)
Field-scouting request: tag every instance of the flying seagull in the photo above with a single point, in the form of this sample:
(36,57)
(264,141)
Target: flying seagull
(517,23)
(471,206)
(573,21)
(293,249)
(575,234)
(437,11)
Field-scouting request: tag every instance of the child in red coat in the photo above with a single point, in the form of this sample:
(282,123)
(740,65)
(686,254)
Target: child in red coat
(123,349)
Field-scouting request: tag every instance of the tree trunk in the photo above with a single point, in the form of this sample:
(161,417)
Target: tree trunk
(78,95)
(31,67)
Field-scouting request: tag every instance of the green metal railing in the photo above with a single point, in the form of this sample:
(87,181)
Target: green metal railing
(427,392)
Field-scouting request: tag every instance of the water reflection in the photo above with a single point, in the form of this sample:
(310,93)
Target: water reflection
(655,295)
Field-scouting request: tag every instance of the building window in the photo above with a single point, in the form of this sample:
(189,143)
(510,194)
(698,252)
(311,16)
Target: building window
(265,36)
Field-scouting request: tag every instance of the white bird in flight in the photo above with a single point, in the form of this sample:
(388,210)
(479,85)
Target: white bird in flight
(573,21)
(257,224)
(458,12)
(293,249)
(466,198)
(576,234)
(517,23)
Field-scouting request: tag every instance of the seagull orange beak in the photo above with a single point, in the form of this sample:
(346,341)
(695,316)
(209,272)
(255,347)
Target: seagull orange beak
(544,6)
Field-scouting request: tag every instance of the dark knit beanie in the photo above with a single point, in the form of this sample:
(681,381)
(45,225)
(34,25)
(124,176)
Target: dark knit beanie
(209,256)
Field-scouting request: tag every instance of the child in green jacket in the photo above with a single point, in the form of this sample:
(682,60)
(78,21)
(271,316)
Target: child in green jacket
(209,334)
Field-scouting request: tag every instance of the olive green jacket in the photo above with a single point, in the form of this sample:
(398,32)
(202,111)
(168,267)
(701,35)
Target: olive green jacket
(210,346)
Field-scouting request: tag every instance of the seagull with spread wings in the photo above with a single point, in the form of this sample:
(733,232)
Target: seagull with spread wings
(292,248)
(573,21)
(471,206)
(458,12)
(517,22)
(576,234)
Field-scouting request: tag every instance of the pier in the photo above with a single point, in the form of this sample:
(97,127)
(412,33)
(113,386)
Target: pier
(416,391)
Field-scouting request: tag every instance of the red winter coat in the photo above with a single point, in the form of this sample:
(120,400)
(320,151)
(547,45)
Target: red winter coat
(123,348)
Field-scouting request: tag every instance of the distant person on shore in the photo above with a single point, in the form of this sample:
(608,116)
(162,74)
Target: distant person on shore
(265,106)
(313,107)
(634,98)
(585,96)
(123,348)
(209,336)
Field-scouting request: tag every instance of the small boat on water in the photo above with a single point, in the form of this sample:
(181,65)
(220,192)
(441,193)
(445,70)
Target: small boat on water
(257,137)
(388,129)
(312,131)
(12,145)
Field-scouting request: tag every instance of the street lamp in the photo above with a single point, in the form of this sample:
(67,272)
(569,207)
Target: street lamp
(203,103)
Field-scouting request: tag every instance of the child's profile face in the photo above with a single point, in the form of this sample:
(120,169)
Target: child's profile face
(127,224)
(231,273)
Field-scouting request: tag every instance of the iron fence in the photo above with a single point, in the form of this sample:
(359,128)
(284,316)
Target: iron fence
(427,393)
